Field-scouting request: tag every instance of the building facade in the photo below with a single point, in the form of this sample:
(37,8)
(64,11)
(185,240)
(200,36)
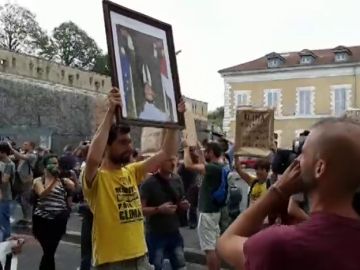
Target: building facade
(303,87)
(200,112)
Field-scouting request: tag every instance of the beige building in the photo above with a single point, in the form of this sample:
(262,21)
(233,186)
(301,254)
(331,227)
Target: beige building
(200,112)
(198,108)
(303,87)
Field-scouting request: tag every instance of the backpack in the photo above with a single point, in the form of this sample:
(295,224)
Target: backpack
(18,184)
(268,184)
(220,194)
(235,197)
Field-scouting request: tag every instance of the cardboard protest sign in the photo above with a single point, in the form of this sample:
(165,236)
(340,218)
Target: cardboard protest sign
(254,133)
(189,132)
(151,140)
(353,114)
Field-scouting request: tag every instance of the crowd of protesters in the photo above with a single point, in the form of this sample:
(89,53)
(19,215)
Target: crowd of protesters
(287,212)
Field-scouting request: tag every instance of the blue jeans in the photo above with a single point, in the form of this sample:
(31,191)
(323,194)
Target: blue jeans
(5,219)
(170,246)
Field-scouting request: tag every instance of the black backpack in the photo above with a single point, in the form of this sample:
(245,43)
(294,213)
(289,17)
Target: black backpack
(235,198)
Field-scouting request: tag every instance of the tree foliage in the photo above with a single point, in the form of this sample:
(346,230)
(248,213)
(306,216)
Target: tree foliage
(102,65)
(73,47)
(68,44)
(19,29)
(216,117)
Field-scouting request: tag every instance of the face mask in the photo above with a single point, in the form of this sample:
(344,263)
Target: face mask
(53,169)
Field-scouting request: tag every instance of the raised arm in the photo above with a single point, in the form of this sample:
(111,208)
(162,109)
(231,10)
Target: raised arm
(17,154)
(169,147)
(98,143)
(244,175)
(231,243)
(198,167)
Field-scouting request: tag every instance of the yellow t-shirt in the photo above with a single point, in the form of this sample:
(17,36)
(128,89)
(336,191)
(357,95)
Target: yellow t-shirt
(258,190)
(118,227)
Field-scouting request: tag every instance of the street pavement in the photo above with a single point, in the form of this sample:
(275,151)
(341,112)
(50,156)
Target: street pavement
(68,253)
(67,257)
(190,236)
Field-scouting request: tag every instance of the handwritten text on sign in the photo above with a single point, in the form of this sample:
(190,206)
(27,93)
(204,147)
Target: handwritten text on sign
(254,131)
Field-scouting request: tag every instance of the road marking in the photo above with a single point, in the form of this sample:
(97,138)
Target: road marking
(69,243)
(73,232)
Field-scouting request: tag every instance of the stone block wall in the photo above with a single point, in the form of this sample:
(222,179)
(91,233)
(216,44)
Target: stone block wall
(27,105)
(40,69)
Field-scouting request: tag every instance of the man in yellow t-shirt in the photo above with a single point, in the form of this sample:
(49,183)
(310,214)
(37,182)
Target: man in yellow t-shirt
(110,186)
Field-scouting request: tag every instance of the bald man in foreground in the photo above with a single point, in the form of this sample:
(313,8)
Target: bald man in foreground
(329,170)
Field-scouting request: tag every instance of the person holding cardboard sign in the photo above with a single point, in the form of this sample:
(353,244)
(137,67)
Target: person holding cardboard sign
(259,184)
(110,186)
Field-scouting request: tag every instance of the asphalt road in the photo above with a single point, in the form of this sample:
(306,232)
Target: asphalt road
(67,257)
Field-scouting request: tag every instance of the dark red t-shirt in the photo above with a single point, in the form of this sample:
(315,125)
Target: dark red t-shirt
(324,242)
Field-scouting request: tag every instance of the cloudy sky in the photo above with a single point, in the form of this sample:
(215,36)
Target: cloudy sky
(214,34)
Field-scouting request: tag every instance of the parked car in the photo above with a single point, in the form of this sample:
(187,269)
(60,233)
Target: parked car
(248,162)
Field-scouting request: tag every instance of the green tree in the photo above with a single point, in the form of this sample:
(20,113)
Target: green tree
(19,29)
(216,117)
(70,46)
(47,47)
(102,65)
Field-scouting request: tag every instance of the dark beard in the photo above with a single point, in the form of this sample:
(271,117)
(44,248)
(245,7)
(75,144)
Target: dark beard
(121,159)
(308,180)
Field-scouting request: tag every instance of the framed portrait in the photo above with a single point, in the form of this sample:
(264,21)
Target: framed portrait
(144,67)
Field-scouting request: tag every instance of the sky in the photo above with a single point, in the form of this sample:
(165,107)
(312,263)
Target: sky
(215,34)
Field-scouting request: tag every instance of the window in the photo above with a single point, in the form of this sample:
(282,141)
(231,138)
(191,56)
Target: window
(277,137)
(243,98)
(274,62)
(305,98)
(340,99)
(341,57)
(272,99)
(306,60)
(39,71)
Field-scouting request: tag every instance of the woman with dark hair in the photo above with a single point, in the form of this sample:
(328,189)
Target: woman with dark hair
(51,210)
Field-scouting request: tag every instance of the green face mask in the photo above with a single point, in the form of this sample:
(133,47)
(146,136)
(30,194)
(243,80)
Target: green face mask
(53,169)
